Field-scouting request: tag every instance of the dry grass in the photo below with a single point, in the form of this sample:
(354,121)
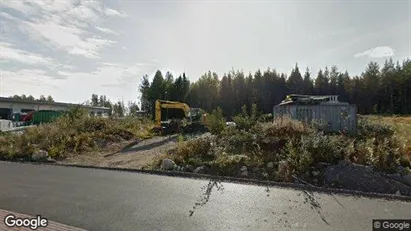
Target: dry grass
(300,146)
(402,128)
(73,133)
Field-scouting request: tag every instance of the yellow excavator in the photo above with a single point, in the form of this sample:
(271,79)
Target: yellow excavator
(179,117)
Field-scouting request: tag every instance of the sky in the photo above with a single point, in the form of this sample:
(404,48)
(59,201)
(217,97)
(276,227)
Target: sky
(70,49)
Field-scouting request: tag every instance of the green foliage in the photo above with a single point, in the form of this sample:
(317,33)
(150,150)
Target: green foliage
(266,118)
(246,121)
(74,132)
(42,98)
(192,151)
(294,148)
(310,149)
(369,129)
(216,122)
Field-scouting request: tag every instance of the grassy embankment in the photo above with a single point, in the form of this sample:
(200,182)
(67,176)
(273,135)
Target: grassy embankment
(72,134)
(294,148)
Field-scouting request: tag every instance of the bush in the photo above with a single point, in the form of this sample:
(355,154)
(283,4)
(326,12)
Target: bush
(73,132)
(311,149)
(369,129)
(244,121)
(266,118)
(192,151)
(216,122)
(384,155)
(273,136)
(238,141)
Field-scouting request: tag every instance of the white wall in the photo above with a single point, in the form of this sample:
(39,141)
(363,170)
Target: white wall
(16,107)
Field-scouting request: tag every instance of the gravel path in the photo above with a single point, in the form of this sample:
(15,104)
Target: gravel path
(133,155)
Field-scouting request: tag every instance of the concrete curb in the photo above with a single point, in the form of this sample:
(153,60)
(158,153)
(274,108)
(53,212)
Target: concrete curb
(345,192)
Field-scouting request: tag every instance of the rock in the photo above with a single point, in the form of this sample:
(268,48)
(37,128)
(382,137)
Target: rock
(270,165)
(244,173)
(244,168)
(256,169)
(362,178)
(39,155)
(401,170)
(395,176)
(49,159)
(201,170)
(407,179)
(167,164)
(189,168)
(398,193)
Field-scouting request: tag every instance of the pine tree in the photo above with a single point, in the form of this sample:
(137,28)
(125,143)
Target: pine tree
(307,83)
(295,81)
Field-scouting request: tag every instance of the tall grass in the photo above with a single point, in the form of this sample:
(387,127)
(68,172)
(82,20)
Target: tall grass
(295,147)
(74,132)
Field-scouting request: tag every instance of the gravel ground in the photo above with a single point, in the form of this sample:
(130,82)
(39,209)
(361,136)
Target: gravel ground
(134,154)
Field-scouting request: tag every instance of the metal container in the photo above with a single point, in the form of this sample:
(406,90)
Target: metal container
(45,116)
(331,114)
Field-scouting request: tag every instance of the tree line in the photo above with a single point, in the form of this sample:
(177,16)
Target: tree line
(42,98)
(377,90)
(118,109)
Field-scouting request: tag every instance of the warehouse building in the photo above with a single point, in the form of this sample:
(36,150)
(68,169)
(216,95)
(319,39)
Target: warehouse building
(11,106)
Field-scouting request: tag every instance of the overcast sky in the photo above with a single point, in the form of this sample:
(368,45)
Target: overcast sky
(70,49)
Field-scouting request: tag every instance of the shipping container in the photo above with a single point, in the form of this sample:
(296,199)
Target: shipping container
(326,110)
(44,116)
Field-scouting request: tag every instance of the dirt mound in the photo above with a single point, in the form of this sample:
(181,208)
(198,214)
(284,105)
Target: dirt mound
(362,178)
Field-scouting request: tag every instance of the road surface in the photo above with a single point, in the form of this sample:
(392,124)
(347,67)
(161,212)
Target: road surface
(95,199)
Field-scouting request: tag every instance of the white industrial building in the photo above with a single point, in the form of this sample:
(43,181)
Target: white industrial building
(10,106)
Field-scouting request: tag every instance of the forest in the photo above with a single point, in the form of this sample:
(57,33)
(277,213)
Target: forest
(378,89)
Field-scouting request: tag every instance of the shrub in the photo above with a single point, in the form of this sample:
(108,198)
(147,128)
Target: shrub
(369,129)
(273,136)
(311,149)
(187,151)
(216,122)
(266,118)
(238,141)
(73,132)
(385,154)
(230,164)
(244,121)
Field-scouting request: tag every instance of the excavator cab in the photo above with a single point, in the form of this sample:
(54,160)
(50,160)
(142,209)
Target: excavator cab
(176,117)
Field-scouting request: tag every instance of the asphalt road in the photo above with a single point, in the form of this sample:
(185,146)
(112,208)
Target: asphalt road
(110,200)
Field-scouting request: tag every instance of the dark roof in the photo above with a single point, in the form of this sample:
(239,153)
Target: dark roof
(310,99)
(13,100)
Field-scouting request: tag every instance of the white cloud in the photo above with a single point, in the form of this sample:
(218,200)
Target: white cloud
(112,12)
(90,47)
(106,30)
(34,82)
(377,52)
(108,74)
(10,53)
(17,5)
(33,78)
(63,25)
